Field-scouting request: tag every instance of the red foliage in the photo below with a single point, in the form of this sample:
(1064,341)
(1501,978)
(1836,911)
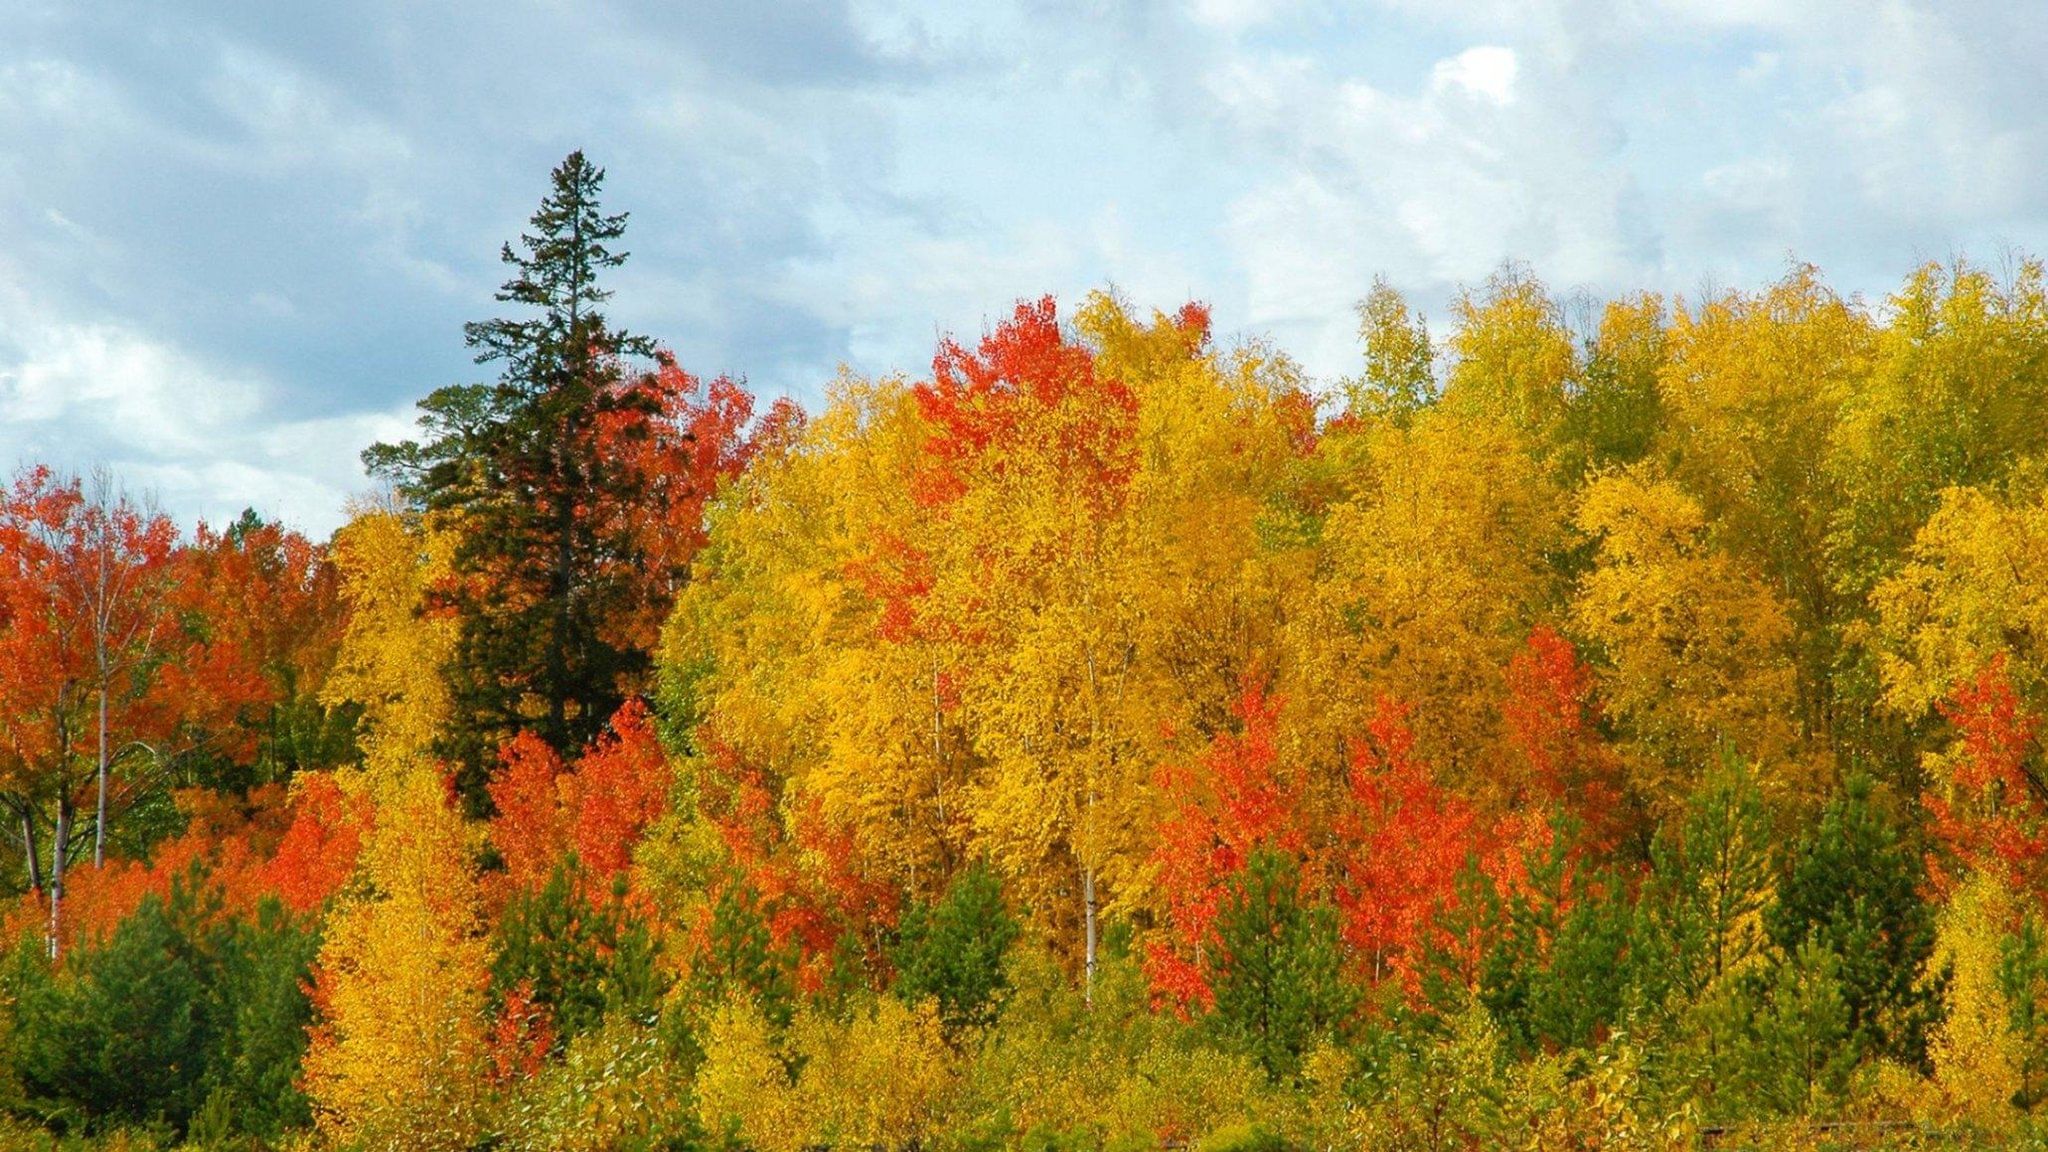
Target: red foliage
(529,830)
(1996,814)
(600,810)
(81,590)
(1229,806)
(804,870)
(1026,397)
(619,789)
(246,848)
(1553,716)
(1405,840)
(318,850)
(896,575)
(266,601)
(521,1037)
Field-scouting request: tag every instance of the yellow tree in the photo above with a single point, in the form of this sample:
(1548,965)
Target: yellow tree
(1696,644)
(1957,397)
(1029,471)
(1974,585)
(397,1052)
(1512,358)
(1753,392)
(1429,576)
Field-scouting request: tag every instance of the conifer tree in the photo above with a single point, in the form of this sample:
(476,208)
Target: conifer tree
(953,951)
(1278,987)
(520,469)
(1853,885)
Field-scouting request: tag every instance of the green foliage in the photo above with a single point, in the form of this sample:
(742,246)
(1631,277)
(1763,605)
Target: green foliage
(1800,1045)
(1852,886)
(259,998)
(2023,977)
(740,958)
(1277,980)
(954,951)
(546,563)
(1555,974)
(582,958)
(1699,916)
(181,1018)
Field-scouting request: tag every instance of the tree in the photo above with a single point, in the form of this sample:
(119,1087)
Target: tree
(122,1034)
(527,474)
(1233,804)
(574,953)
(1278,981)
(1697,645)
(83,575)
(1698,921)
(1403,843)
(1513,360)
(953,951)
(398,1048)
(1400,372)
(1852,886)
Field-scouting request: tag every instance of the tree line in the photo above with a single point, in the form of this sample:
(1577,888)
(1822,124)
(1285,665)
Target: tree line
(1596,726)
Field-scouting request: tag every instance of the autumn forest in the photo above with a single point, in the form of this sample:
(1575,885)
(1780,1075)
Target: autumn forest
(1586,726)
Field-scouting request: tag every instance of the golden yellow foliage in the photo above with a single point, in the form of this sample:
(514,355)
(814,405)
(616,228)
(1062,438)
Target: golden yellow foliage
(743,1089)
(398,1051)
(1975,585)
(1696,644)
(1431,576)
(1977,1057)
(877,1080)
(391,656)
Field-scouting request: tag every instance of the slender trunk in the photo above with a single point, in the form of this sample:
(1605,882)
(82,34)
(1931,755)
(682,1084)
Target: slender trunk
(1088,934)
(29,850)
(99,821)
(558,656)
(59,842)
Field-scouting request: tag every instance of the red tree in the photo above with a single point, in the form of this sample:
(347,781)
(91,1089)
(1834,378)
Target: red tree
(1553,717)
(1995,813)
(1230,804)
(1404,841)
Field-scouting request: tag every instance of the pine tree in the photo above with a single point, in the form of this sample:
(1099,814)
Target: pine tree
(1853,886)
(520,470)
(953,951)
(1279,986)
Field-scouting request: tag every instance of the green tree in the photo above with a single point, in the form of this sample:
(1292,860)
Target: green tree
(1710,878)
(520,470)
(1278,980)
(1801,1044)
(261,1011)
(1400,368)
(1852,886)
(1555,975)
(122,1033)
(740,958)
(953,951)
(583,958)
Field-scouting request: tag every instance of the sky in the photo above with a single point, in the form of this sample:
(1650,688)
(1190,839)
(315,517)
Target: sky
(239,238)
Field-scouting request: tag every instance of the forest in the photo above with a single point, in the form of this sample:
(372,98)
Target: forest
(1604,725)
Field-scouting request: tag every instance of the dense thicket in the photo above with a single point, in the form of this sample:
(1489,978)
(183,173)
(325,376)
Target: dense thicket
(1565,733)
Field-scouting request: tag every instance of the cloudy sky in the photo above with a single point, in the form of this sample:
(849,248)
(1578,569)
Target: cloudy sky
(239,237)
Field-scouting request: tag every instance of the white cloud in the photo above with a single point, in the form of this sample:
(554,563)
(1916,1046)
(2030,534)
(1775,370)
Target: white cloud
(1487,71)
(236,260)
(206,441)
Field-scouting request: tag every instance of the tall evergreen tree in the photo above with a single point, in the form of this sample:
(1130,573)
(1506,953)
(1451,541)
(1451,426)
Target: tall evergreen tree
(520,469)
